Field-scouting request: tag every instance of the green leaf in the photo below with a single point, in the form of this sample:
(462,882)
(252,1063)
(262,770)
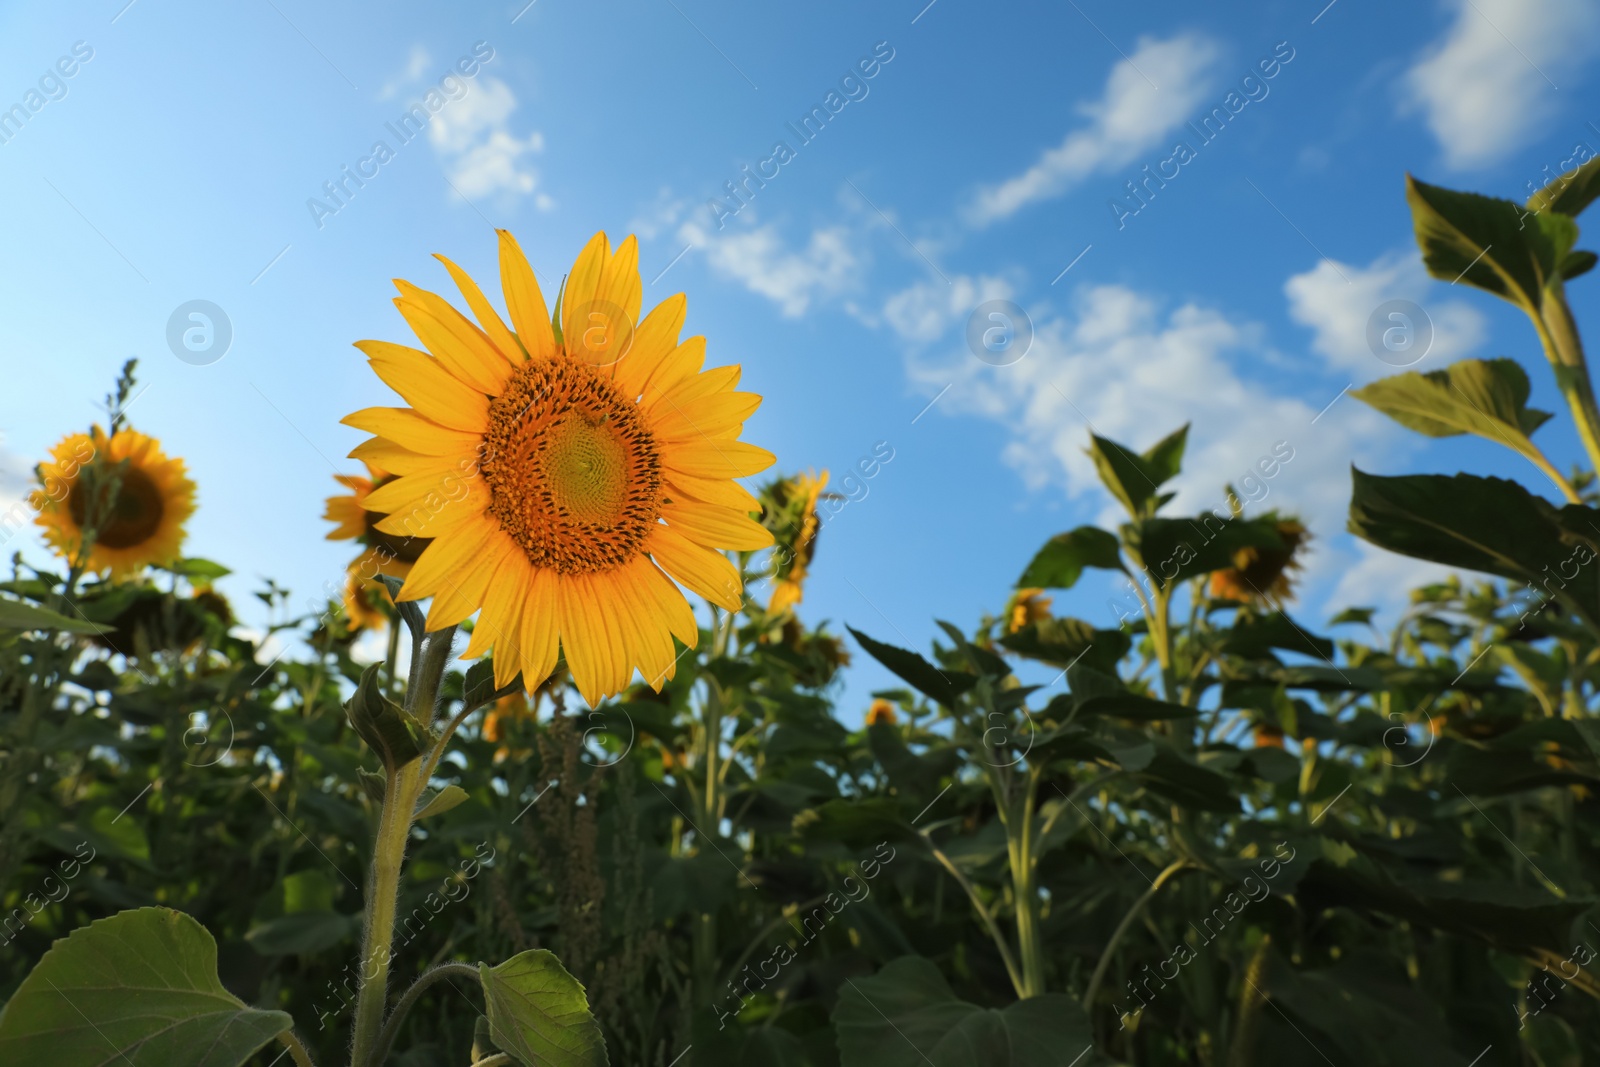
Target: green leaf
(1482,524)
(199,571)
(479,685)
(1175,550)
(943,686)
(1062,641)
(305,932)
(20,615)
(382,723)
(1487,397)
(1490,243)
(1571,192)
(1062,560)
(539,1014)
(440,802)
(907,1016)
(1135,480)
(139,989)
(1254,636)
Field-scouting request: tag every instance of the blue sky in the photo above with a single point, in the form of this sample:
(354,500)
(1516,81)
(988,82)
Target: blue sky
(979,161)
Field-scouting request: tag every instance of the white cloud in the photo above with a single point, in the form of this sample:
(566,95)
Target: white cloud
(759,260)
(1131,117)
(924,312)
(1485,85)
(485,108)
(417,64)
(481,154)
(1335,300)
(1135,371)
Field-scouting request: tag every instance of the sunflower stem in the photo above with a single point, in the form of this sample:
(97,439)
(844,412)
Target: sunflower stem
(402,787)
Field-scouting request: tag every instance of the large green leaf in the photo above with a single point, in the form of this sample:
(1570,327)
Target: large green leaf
(1062,560)
(139,989)
(1482,524)
(538,1013)
(1487,397)
(907,1016)
(1489,243)
(1571,192)
(1134,479)
(943,686)
(20,615)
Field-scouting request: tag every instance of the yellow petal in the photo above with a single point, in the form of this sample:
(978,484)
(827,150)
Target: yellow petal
(709,416)
(577,637)
(502,608)
(707,573)
(669,602)
(580,288)
(489,320)
(464,588)
(524,301)
(426,385)
(695,386)
(414,431)
(717,459)
(713,491)
(599,315)
(453,340)
(676,366)
(716,527)
(443,558)
(653,341)
(541,627)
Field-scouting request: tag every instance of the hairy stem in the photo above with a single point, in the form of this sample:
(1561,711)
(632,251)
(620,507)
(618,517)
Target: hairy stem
(403,1006)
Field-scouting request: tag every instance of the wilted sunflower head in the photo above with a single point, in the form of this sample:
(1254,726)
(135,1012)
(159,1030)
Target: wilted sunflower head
(1026,606)
(563,469)
(789,510)
(882,713)
(1263,575)
(120,492)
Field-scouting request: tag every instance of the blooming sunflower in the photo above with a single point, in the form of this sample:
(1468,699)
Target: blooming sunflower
(138,525)
(787,590)
(563,470)
(384,554)
(1262,575)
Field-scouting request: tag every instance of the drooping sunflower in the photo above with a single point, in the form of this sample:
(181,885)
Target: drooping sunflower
(1027,606)
(136,497)
(384,554)
(802,491)
(563,470)
(1263,575)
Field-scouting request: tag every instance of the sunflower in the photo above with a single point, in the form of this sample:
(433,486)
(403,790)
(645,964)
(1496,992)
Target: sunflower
(364,595)
(806,489)
(1027,606)
(140,524)
(882,713)
(1263,574)
(563,470)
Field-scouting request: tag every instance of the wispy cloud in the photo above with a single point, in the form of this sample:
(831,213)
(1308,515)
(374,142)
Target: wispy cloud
(1130,117)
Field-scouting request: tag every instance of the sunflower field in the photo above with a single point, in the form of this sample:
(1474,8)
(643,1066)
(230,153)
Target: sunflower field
(599,802)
